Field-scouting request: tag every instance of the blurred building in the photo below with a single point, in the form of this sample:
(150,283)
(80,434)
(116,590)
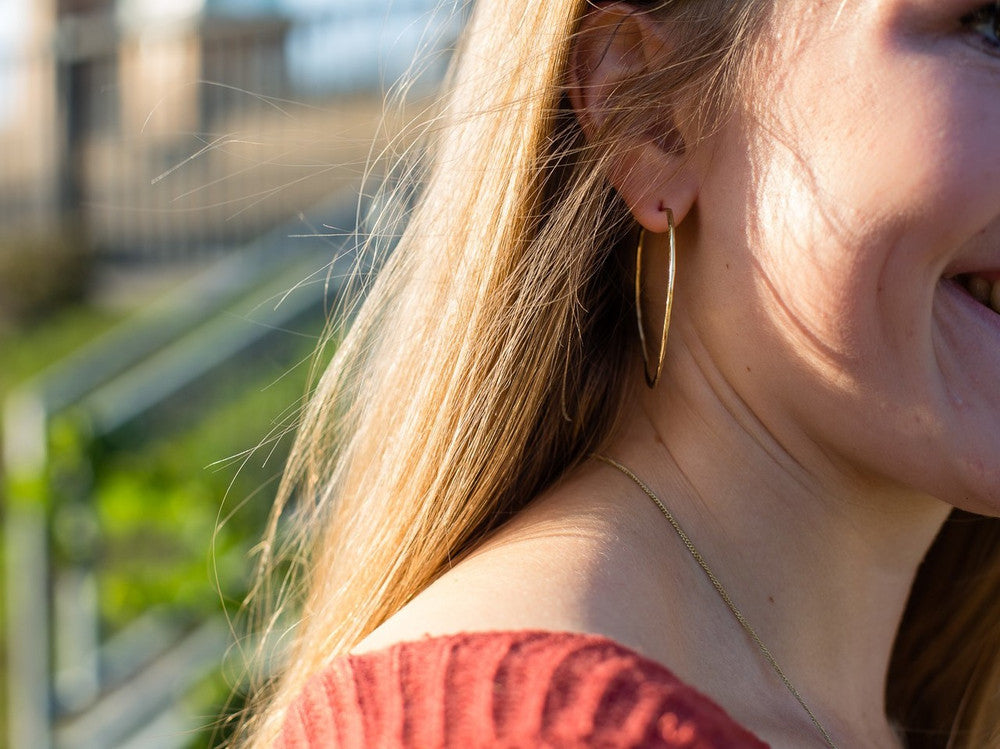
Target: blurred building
(103,97)
(28,161)
(166,128)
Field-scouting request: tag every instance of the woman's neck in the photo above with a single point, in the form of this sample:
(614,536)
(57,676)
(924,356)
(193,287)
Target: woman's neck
(819,559)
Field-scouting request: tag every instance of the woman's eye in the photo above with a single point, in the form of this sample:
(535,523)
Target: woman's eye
(984,23)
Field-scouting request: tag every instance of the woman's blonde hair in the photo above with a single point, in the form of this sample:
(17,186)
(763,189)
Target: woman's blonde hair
(489,358)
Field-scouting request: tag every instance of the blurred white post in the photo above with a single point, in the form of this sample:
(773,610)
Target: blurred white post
(29,694)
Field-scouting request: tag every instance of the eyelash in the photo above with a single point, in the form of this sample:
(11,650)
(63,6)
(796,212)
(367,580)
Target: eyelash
(984,23)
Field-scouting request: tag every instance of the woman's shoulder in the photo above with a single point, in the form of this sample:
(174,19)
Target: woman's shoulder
(506,688)
(564,564)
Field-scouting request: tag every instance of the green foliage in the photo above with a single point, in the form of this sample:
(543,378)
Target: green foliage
(180,513)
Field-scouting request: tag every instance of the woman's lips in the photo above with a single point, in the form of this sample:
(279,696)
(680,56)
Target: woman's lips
(967,345)
(983,287)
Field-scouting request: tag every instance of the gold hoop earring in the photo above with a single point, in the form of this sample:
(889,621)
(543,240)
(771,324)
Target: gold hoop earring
(652,378)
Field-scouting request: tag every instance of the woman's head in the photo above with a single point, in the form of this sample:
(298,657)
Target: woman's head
(498,346)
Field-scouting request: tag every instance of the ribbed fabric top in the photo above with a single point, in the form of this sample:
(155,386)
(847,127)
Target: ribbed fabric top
(506,689)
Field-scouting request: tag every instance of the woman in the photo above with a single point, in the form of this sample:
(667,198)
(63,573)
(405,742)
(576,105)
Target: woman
(490,450)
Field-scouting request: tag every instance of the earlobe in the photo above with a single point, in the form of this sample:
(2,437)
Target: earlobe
(616,48)
(650,181)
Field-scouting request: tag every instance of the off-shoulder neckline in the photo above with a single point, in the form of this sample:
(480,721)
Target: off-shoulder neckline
(588,638)
(528,632)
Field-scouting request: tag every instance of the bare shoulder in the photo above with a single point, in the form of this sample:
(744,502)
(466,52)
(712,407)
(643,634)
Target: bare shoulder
(561,565)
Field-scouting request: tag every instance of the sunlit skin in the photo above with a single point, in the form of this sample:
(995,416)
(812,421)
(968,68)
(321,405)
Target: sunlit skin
(829,388)
(885,181)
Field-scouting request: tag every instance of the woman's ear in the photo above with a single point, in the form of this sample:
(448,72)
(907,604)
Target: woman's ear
(617,46)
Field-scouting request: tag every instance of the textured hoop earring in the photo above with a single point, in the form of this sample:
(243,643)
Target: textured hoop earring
(652,378)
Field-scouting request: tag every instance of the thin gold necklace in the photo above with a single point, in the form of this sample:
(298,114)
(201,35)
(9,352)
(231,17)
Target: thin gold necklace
(723,594)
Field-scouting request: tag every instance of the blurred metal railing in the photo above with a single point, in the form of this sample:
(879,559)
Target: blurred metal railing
(67,685)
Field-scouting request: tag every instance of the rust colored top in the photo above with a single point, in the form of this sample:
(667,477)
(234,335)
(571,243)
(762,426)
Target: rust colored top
(506,689)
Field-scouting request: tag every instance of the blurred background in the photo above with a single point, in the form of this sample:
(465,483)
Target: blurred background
(179,207)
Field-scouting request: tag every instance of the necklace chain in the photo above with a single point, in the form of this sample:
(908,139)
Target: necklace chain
(723,594)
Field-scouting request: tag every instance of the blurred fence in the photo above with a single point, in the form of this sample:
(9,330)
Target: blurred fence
(82,677)
(156,140)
